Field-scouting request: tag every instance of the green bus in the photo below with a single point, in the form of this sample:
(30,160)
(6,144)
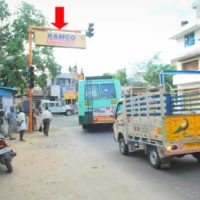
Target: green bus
(97,100)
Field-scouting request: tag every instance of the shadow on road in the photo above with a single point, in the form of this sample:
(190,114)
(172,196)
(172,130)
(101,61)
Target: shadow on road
(99,129)
(179,166)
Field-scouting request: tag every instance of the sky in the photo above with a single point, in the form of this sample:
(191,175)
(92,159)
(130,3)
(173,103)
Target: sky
(125,31)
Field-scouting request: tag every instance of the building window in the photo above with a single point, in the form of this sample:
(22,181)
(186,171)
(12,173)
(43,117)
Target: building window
(193,65)
(189,39)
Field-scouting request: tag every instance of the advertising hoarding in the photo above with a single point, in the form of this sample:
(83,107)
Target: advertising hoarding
(60,39)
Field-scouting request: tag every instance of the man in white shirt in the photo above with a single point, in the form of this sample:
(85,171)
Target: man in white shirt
(46,117)
(21,120)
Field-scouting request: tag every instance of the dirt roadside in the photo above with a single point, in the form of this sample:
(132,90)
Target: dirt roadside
(60,167)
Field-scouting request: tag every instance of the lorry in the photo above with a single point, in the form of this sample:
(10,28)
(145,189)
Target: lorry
(162,124)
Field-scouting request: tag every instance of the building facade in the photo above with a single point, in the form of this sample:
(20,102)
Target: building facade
(65,86)
(188,52)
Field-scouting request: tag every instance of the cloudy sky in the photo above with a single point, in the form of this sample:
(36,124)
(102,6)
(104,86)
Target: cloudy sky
(125,31)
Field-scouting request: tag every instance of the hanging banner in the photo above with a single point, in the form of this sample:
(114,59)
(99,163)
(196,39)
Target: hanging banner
(60,39)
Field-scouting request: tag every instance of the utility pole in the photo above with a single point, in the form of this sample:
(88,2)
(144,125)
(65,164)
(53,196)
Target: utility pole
(30,124)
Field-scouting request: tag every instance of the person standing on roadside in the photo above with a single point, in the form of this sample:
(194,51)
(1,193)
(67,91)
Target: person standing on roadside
(11,118)
(21,121)
(46,118)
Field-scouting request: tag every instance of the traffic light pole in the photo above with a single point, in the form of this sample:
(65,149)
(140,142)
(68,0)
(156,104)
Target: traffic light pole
(30,33)
(30,124)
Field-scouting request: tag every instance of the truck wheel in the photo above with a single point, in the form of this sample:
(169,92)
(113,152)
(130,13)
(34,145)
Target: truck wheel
(68,113)
(84,127)
(197,156)
(123,147)
(154,158)
(8,165)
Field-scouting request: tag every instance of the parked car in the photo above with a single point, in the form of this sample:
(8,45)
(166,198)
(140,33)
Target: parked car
(56,107)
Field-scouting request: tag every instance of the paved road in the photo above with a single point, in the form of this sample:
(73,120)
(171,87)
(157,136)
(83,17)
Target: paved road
(75,164)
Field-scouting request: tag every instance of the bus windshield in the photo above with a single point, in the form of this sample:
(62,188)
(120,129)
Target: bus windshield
(107,91)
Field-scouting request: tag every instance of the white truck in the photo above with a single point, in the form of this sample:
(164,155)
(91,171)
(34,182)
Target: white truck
(56,107)
(162,124)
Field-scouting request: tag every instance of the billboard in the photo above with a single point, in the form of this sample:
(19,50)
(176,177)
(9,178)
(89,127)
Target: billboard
(60,39)
(70,95)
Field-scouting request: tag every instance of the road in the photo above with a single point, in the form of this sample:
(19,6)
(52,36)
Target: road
(74,164)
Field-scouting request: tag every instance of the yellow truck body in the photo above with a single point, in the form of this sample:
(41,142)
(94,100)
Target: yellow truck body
(162,124)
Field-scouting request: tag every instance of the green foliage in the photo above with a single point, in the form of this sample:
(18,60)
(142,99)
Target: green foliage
(137,83)
(27,15)
(4,25)
(41,79)
(121,76)
(153,69)
(4,12)
(108,74)
(15,44)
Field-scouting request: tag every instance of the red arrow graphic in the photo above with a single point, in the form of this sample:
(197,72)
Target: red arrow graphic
(59,18)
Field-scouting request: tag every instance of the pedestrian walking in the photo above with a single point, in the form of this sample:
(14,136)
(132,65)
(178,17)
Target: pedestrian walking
(46,118)
(11,118)
(21,121)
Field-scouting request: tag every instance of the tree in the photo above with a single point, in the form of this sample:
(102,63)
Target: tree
(13,71)
(153,69)
(108,74)
(121,76)
(4,25)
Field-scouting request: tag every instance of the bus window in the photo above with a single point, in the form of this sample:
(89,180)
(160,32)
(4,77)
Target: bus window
(91,91)
(108,91)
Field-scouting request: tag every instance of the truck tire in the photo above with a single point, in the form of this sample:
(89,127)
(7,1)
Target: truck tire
(84,126)
(123,147)
(197,156)
(154,158)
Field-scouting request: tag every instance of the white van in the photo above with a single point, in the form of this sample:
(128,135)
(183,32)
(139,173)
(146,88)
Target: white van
(56,107)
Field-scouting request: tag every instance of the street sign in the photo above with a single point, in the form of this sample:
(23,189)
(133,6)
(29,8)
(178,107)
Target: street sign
(60,39)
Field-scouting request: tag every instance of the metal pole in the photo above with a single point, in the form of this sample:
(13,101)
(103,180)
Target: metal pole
(30,32)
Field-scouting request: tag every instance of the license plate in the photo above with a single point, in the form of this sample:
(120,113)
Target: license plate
(195,145)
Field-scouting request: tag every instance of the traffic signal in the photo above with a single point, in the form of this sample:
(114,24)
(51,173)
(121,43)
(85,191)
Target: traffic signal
(90,31)
(30,77)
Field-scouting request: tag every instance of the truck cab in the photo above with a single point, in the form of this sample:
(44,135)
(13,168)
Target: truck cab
(119,121)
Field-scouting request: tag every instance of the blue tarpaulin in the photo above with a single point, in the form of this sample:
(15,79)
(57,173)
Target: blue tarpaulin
(4,93)
(7,91)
